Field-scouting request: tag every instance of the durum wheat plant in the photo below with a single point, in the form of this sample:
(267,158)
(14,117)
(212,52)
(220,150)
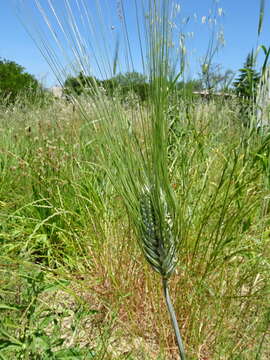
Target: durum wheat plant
(159,247)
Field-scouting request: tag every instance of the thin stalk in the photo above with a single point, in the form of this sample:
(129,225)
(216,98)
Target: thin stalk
(173,319)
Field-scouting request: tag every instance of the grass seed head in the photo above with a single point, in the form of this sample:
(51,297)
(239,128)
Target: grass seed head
(157,238)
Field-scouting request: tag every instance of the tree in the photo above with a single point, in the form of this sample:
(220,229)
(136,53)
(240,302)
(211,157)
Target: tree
(121,84)
(213,78)
(189,86)
(14,82)
(130,78)
(247,82)
(128,82)
(79,84)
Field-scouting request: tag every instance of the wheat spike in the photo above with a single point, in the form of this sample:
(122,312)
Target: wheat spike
(159,246)
(158,242)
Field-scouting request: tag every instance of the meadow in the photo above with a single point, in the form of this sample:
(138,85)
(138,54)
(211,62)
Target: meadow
(72,274)
(99,191)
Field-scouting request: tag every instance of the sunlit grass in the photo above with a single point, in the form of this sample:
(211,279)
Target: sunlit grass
(73,218)
(88,185)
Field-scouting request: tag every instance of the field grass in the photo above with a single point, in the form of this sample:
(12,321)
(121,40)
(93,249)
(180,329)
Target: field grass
(73,279)
(98,192)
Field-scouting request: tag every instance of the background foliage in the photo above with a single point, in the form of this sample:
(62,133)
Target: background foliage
(15,81)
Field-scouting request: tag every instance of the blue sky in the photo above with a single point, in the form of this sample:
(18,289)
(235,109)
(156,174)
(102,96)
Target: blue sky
(240,22)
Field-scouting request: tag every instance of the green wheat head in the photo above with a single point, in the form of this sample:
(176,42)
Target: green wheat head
(156,234)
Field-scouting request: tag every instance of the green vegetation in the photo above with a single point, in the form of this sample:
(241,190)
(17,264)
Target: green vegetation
(80,84)
(31,305)
(246,88)
(15,82)
(247,82)
(121,85)
(59,212)
(96,196)
(214,79)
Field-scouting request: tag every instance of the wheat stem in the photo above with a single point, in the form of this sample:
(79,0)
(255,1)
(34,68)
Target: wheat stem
(173,319)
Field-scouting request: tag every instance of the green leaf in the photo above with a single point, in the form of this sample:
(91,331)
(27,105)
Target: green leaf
(56,285)
(9,307)
(10,337)
(267,54)
(7,343)
(58,342)
(74,354)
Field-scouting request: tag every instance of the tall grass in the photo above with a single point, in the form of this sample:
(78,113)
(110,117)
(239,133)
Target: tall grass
(220,176)
(186,181)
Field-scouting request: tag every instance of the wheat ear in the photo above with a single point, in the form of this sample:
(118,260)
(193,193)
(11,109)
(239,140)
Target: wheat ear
(159,247)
